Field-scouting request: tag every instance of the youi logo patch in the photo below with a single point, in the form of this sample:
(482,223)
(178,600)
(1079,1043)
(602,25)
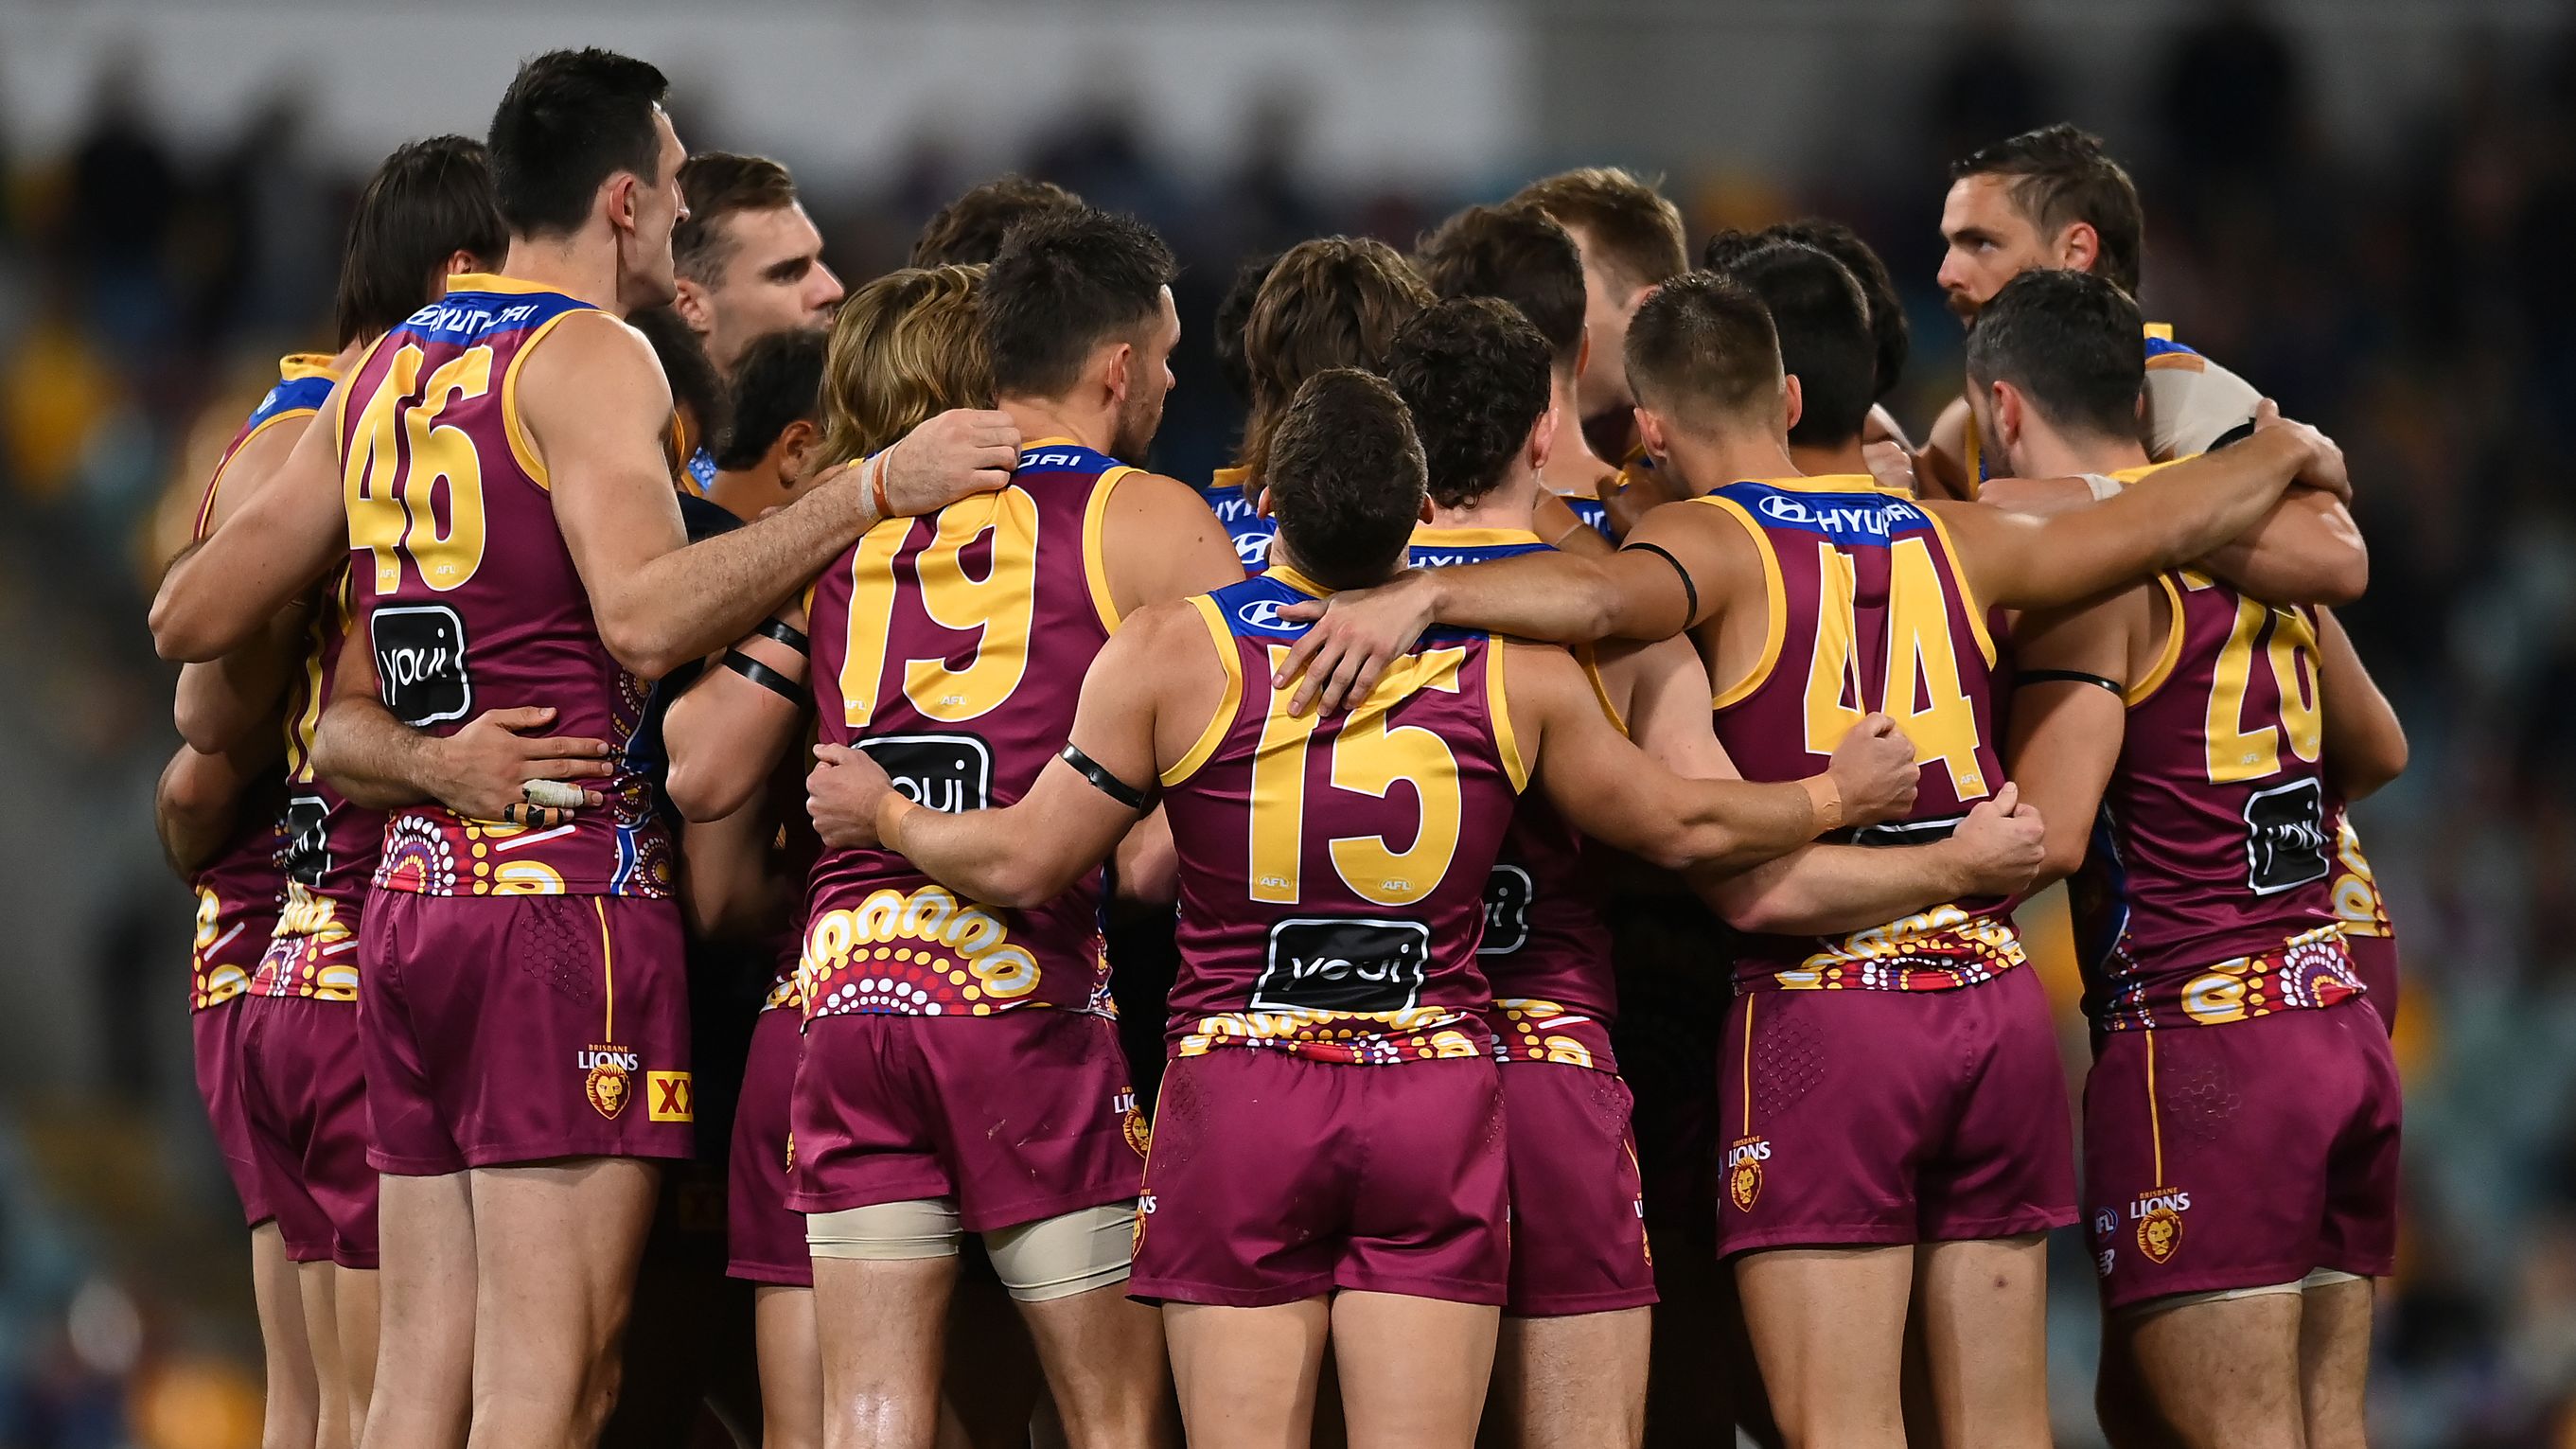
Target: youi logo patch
(1344,965)
(947,773)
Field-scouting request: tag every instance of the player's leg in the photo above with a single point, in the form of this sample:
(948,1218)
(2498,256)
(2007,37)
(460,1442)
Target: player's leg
(994,1385)
(1103,1351)
(2120,1401)
(313,1283)
(294,1412)
(556,1248)
(1577,1381)
(877,1321)
(355,1308)
(1828,1328)
(1247,1376)
(424,1379)
(2334,1360)
(791,1367)
(1413,1369)
(2222,1369)
(1983,1305)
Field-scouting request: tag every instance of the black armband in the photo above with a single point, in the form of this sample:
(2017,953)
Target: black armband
(1689,590)
(787,634)
(764,676)
(2065,676)
(1107,783)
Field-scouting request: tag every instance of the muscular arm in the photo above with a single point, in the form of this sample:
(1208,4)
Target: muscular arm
(379,762)
(288,529)
(2365,744)
(2066,735)
(220,701)
(2304,549)
(1941,468)
(198,801)
(727,884)
(2163,522)
(1563,528)
(597,406)
(1160,542)
(725,734)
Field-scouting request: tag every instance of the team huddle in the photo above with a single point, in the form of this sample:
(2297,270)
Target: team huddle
(666,745)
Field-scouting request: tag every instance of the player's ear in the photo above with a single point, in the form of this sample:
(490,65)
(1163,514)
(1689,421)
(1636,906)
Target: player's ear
(1261,506)
(794,451)
(1427,509)
(1650,432)
(624,190)
(694,307)
(1793,402)
(2080,247)
(2007,407)
(460,262)
(1119,375)
(1542,438)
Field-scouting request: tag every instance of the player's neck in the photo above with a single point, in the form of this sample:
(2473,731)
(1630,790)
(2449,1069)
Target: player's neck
(1612,435)
(747,493)
(1572,466)
(1513,505)
(1048,417)
(1818,462)
(1713,460)
(2044,453)
(577,266)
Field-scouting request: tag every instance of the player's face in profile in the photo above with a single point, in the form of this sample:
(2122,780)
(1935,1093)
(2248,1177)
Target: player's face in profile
(775,280)
(1149,381)
(1990,242)
(1603,385)
(658,208)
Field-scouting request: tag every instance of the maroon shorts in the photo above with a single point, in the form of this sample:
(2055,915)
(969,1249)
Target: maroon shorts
(1578,1206)
(306,1101)
(502,1029)
(216,1031)
(1014,1117)
(2374,960)
(764,1237)
(2242,1155)
(1860,1117)
(1275,1178)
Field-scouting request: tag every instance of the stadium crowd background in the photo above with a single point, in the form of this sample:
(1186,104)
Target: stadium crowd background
(2367,208)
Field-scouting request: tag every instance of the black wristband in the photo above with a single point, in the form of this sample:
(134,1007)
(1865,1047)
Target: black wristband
(1107,783)
(764,676)
(787,634)
(2065,676)
(1689,589)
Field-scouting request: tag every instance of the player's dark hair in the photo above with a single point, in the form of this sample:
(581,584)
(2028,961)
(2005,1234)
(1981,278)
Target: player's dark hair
(1345,478)
(718,184)
(1822,321)
(1637,231)
(1704,344)
(570,120)
(1331,302)
(1233,310)
(1065,283)
(2069,341)
(969,231)
(2058,176)
(1889,332)
(696,389)
(428,201)
(779,381)
(1517,253)
(1474,372)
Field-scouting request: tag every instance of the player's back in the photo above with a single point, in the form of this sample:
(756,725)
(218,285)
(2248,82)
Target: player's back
(332,845)
(1867,611)
(470,597)
(1333,867)
(952,649)
(2209,894)
(1546,951)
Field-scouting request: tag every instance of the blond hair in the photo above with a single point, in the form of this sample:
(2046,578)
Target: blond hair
(905,347)
(1637,230)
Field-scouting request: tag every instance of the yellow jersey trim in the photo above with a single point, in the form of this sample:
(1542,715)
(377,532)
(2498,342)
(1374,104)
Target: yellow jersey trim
(1233,478)
(1215,731)
(523,447)
(1775,600)
(2160,331)
(2140,692)
(495,282)
(1426,536)
(1968,601)
(1591,663)
(1298,581)
(1095,569)
(607,972)
(1829,483)
(1969,448)
(1498,708)
(295,366)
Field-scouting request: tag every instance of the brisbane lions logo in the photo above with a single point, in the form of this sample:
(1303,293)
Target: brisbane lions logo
(2158,1216)
(607,1078)
(1744,1172)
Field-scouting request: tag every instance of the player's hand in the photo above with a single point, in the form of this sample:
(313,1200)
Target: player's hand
(1891,465)
(484,770)
(1874,771)
(960,452)
(2325,466)
(1357,633)
(842,793)
(1999,845)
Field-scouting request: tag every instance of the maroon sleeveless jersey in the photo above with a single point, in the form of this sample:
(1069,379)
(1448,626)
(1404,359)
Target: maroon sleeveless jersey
(470,600)
(1333,867)
(952,648)
(2208,895)
(1868,611)
(331,845)
(238,891)
(2367,932)
(1546,952)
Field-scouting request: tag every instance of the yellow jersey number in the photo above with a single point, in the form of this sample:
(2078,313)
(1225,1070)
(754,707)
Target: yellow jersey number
(1921,691)
(1370,758)
(2288,643)
(999,606)
(399,453)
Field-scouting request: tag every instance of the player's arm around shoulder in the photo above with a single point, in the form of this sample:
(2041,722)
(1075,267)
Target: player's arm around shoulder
(2305,550)
(737,720)
(1160,541)
(2069,716)
(279,526)
(1026,853)
(1941,466)
(2365,744)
